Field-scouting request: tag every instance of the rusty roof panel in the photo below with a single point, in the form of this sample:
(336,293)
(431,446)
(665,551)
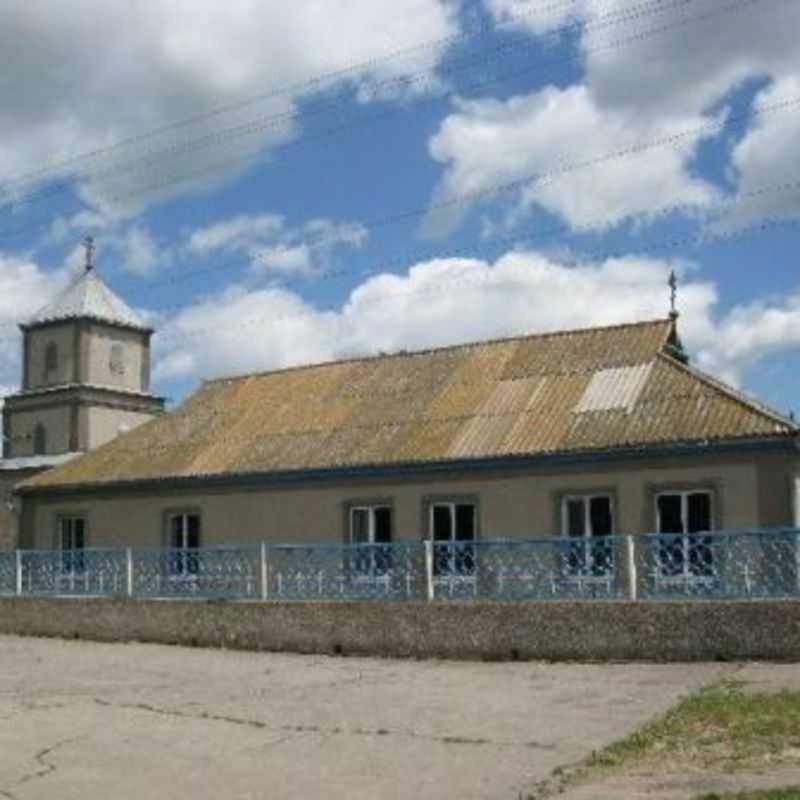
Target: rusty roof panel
(581,390)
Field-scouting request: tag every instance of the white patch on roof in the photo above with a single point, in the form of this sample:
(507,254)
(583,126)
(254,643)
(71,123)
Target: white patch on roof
(35,462)
(614,389)
(88,297)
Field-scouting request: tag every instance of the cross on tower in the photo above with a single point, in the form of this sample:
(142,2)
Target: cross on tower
(673,285)
(90,247)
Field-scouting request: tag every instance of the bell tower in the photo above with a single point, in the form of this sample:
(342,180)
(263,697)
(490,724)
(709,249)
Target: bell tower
(85,372)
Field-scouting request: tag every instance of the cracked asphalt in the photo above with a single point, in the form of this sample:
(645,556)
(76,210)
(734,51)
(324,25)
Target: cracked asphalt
(84,720)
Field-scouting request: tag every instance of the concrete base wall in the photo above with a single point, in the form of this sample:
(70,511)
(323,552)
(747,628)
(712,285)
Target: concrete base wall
(674,631)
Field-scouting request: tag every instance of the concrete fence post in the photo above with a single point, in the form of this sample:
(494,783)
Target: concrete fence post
(19,573)
(633,578)
(264,572)
(129,571)
(431,593)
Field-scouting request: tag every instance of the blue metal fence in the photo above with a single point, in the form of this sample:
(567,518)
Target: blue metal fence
(743,564)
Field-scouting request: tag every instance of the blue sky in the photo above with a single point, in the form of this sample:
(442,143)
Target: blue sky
(274,185)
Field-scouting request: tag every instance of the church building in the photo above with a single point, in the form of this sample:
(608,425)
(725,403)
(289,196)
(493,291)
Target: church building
(579,433)
(85,379)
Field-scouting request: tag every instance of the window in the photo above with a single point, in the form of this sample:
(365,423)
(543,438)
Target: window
(71,543)
(588,521)
(116,362)
(39,440)
(50,360)
(453,529)
(183,541)
(371,527)
(686,515)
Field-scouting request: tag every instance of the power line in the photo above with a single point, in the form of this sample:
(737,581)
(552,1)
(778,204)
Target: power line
(278,121)
(476,250)
(558,229)
(171,180)
(262,124)
(296,87)
(442,286)
(563,171)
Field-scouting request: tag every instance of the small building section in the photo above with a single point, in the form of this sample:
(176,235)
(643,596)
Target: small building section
(579,434)
(85,374)
(85,380)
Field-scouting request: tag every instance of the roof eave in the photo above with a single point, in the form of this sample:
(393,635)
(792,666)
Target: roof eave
(253,479)
(29,326)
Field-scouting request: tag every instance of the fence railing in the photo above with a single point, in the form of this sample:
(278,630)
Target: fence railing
(743,564)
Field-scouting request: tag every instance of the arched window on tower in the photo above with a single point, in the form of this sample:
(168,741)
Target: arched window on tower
(40,440)
(50,360)
(117,358)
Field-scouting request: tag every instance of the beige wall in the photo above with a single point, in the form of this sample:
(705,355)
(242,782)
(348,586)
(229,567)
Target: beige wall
(63,336)
(9,505)
(21,425)
(97,361)
(100,424)
(95,341)
(8,519)
(512,505)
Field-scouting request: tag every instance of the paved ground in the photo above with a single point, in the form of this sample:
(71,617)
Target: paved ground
(81,720)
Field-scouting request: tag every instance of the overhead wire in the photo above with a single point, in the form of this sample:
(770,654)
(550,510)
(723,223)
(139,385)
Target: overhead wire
(259,125)
(564,170)
(431,289)
(518,243)
(299,87)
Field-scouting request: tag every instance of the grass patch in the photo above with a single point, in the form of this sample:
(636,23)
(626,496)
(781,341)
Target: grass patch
(721,726)
(790,793)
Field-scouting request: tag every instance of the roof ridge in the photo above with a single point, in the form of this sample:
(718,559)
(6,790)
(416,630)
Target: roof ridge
(443,348)
(733,393)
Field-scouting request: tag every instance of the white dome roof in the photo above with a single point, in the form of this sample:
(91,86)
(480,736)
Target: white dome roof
(88,298)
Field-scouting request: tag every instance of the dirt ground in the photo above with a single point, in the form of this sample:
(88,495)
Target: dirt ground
(84,720)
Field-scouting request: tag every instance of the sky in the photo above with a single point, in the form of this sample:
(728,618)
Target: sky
(274,183)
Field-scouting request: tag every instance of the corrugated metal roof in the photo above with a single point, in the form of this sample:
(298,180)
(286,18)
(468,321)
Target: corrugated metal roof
(88,298)
(571,391)
(615,388)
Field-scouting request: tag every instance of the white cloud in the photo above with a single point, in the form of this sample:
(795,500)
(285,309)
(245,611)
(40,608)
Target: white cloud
(77,86)
(272,246)
(542,137)
(447,301)
(236,233)
(648,74)
(767,156)
(24,289)
(751,333)
(536,16)
(435,303)
(137,250)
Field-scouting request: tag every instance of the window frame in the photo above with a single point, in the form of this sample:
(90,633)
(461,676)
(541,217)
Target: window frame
(39,439)
(376,561)
(51,358)
(116,365)
(690,542)
(72,560)
(455,564)
(182,562)
(581,557)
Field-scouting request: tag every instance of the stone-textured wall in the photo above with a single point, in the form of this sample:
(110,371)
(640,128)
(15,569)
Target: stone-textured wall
(669,631)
